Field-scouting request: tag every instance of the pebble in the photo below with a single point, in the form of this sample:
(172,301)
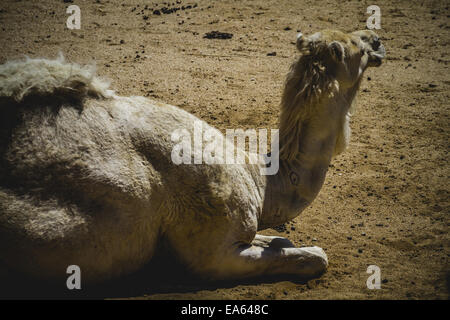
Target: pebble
(218,35)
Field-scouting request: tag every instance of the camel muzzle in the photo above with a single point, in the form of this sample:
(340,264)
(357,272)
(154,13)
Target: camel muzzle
(376,57)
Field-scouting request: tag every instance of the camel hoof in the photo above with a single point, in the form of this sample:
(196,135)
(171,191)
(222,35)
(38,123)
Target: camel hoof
(311,261)
(319,258)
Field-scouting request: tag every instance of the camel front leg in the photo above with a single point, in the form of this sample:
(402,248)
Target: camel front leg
(273,256)
(219,255)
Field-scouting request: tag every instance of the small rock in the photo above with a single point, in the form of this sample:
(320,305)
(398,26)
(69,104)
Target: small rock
(272,54)
(218,35)
(406,46)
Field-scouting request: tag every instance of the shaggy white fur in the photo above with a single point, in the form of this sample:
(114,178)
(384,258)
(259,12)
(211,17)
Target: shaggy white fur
(22,78)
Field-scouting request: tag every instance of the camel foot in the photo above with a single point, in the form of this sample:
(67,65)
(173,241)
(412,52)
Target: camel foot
(272,256)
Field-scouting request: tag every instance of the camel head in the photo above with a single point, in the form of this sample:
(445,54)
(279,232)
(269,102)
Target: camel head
(345,55)
(331,66)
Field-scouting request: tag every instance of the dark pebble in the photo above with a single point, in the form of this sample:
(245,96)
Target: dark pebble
(218,35)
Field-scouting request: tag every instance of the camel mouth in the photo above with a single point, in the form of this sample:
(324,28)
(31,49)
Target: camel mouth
(376,57)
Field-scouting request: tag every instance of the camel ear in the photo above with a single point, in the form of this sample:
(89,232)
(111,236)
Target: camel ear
(337,51)
(302,41)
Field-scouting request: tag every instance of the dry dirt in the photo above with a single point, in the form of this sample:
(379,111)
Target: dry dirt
(384,202)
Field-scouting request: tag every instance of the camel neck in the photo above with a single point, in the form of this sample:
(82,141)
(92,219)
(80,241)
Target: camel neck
(300,179)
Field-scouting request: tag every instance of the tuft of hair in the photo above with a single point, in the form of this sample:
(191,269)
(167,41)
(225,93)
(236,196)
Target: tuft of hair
(20,79)
(307,82)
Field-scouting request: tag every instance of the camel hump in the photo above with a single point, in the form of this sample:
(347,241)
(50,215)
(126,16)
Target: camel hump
(20,79)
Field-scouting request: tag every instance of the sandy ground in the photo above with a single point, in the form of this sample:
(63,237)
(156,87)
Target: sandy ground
(384,202)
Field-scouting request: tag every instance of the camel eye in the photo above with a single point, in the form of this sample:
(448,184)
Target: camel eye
(294,178)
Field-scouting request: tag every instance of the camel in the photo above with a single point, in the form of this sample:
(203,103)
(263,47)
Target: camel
(86,176)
